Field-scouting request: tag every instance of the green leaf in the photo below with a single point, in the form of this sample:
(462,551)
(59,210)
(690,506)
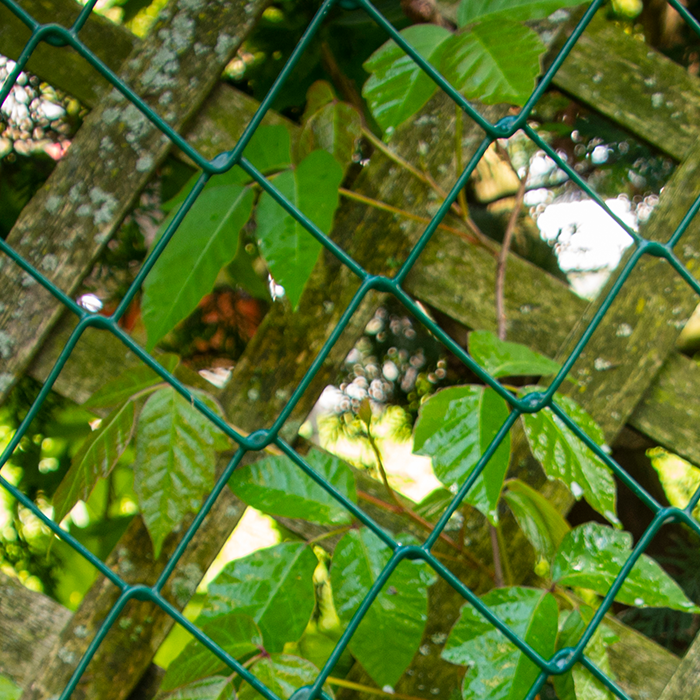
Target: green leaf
(498,670)
(563,456)
(288,248)
(206,240)
(397,88)
(212,688)
(592,555)
(128,383)
(335,127)
(515,10)
(277,486)
(95,459)
(502,359)
(282,674)
(273,586)
(175,460)
(454,428)
(495,61)
(242,273)
(679,479)
(391,631)
(317,96)
(270,149)
(579,683)
(238,635)
(8,690)
(541,522)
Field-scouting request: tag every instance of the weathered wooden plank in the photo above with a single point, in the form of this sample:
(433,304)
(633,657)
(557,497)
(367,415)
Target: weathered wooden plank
(629,82)
(66,225)
(685,683)
(669,413)
(63,67)
(29,625)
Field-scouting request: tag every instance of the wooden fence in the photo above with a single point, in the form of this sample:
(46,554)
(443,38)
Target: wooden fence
(647,385)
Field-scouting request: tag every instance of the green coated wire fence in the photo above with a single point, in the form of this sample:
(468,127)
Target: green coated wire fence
(564,659)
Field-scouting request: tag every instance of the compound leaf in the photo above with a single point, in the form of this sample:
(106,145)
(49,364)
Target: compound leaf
(282,674)
(212,688)
(95,459)
(515,10)
(498,670)
(206,240)
(288,248)
(238,635)
(454,428)
(175,459)
(397,88)
(391,631)
(541,522)
(277,486)
(592,555)
(502,359)
(274,586)
(563,456)
(495,61)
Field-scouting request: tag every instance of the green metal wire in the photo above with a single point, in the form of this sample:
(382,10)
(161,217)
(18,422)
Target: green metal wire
(563,660)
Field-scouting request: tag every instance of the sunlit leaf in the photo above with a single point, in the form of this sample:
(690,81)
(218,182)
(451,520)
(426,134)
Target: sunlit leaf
(541,522)
(454,428)
(397,88)
(592,555)
(175,460)
(563,456)
(498,670)
(96,458)
(503,359)
(516,10)
(391,631)
(495,61)
(277,486)
(282,674)
(679,479)
(238,635)
(273,586)
(288,248)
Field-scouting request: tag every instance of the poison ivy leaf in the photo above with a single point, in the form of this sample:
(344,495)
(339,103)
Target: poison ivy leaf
(334,126)
(592,555)
(498,670)
(273,586)
(95,459)
(282,674)
(397,88)
(679,479)
(454,428)
(270,149)
(238,635)
(130,382)
(579,683)
(495,61)
(515,10)
(242,274)
(502,359)
(391,631)
(541,522)
(277,486)
(289,249)
(175,459)
(212,688)
(187,269)
(563,456)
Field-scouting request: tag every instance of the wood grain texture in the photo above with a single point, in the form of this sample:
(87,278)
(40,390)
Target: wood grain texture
(68,222)
(685,683)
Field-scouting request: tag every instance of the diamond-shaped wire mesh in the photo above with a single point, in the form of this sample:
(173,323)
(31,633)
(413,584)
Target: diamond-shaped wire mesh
(563,660)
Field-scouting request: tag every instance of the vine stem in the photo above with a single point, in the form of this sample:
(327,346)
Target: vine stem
(349,194)
(331,680)
(427,179)
(459,131)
